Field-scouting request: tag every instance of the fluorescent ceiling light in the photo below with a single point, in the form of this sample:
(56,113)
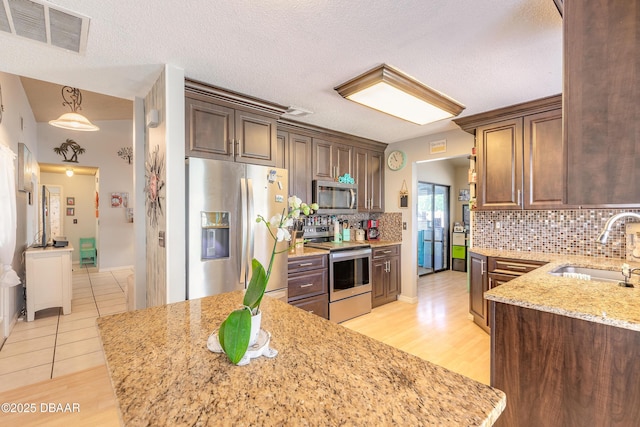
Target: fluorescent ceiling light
(388,90)
(72,97)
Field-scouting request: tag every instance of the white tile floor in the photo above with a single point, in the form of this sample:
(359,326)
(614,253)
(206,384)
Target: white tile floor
(55,344)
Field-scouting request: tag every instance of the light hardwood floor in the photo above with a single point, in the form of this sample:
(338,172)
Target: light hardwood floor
(437,329)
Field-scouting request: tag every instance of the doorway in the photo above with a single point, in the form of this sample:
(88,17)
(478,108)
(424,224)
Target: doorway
(433,228)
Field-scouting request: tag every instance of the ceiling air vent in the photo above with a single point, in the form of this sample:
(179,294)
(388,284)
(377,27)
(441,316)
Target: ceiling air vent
(46,23)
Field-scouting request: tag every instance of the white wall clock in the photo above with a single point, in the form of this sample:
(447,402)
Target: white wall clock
(396,160)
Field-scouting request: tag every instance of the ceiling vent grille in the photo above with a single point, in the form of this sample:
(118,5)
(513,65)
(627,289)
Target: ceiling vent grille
(46,23)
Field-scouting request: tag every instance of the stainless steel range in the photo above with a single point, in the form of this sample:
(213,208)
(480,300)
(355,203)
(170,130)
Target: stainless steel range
(349,274)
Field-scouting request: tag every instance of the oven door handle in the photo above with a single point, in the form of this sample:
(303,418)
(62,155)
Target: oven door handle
(350,254)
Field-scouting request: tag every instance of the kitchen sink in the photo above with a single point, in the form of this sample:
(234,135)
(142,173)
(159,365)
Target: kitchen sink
(595,274)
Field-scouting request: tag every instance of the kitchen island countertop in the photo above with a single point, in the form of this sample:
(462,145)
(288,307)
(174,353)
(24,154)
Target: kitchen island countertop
(163,374)
(593,301)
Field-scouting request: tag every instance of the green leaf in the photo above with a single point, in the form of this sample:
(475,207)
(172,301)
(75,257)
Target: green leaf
(234,334)
(257,285)
(221,334)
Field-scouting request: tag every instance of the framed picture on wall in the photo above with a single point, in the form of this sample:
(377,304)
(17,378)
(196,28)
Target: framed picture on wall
(71,211)
(71,201)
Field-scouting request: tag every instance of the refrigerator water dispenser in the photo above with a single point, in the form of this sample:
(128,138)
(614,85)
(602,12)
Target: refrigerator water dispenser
(215,235)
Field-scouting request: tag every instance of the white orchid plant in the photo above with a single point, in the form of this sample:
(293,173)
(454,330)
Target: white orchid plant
(235,331)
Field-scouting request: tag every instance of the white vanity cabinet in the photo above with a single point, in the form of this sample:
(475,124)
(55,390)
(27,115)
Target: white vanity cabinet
(48,279)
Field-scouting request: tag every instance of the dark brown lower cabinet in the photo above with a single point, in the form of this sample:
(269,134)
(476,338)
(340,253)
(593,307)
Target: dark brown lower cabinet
(385,276)
(308,284)
(562,371)
(485,273)
(478,285)
(317,305)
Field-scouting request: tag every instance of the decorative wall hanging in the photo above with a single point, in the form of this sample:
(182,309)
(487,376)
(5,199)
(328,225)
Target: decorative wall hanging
(436,147)
(71,211)
(154,172)
(24,168)
(129,214)
(464,195)
(126,153)
(404,195)
(64,149)
(119,200)
(71,201)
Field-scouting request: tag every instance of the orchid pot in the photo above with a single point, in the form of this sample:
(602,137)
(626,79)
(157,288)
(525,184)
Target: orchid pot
(241,328)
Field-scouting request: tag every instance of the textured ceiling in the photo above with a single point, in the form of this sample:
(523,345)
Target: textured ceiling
(484,53)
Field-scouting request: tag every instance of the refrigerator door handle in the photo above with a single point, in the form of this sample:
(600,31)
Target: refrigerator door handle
(250,224)
(245,222)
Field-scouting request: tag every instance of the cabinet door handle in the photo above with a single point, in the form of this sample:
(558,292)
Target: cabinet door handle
(232,147)
(518,197)
(307,285)
(239,154)
(305,264)
(482,267)
(386,252)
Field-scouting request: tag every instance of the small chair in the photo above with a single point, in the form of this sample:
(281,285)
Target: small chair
(88,252)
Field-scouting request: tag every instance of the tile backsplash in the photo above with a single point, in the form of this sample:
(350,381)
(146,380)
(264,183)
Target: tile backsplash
(390,226)
(571,232)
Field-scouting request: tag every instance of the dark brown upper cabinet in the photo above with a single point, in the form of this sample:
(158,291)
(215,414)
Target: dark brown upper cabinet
(602,88)
(368,172)
(294,154)
(520,155)
(312,153)
(331,159)
(225,125)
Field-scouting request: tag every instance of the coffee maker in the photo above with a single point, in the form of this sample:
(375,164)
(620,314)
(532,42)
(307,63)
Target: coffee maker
(371,226)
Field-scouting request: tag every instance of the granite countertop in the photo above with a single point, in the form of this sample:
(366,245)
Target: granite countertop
(382,243)
(163,374)
(304,251)
(593,301)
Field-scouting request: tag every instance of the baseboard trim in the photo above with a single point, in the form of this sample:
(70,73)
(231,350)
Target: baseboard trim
(410,300)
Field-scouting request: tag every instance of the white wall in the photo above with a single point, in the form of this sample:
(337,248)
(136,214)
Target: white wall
(18,125)
(459,143)
(115,242)
(461,183)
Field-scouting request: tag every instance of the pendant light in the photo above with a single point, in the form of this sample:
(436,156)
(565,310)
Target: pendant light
(72,97)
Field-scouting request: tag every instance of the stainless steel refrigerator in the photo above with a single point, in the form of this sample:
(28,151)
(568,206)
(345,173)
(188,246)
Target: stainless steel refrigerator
(223,201)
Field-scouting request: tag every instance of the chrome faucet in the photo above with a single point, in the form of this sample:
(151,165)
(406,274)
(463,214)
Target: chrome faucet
(604,235)
(627,271)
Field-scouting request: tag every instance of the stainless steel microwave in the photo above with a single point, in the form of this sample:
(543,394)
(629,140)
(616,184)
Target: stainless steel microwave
(335,198)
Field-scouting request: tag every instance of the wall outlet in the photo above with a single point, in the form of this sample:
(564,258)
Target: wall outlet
(497,225)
